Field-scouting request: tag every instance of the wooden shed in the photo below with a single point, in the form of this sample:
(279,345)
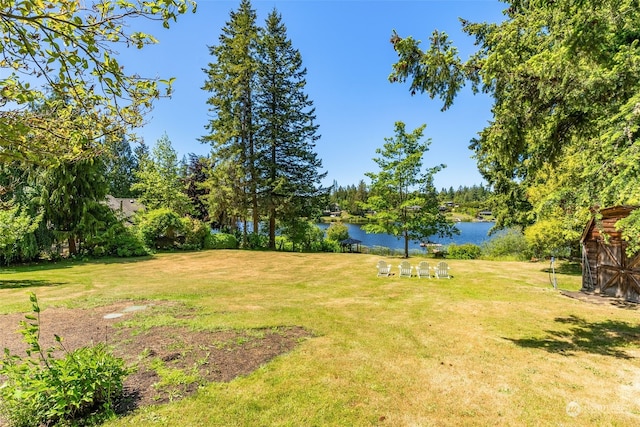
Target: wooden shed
(606,268)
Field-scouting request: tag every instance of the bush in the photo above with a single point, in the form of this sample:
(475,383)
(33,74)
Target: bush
(221,241)
(195,233)
(23,250)
(337,232)
(465,251)
(128,244)
(328,245)
(303,236)
(256,241)
(510,245)
(118,240)
(43,390)
(161,229)
(551,237)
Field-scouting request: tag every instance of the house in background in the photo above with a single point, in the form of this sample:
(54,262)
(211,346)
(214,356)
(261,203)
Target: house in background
(125,208)
(606,267)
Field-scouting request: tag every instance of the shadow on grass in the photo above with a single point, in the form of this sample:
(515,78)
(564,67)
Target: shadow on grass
(17,284)
(69,263)
(567,268)
(607,338)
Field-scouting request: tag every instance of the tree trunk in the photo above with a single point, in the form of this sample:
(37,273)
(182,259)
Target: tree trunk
(406,244)
(72,245)
(272,228)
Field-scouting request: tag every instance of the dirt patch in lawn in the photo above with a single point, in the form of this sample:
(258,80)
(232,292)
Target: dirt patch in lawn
(601,299)
(171,362)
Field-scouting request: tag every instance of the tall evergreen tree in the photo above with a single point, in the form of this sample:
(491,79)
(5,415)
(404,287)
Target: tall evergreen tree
(286,131)
(231,80)
(71,195)
(195,177)
(121,165)
(159,180)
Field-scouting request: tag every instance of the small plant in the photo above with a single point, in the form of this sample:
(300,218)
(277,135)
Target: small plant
(174,382)
(43,390)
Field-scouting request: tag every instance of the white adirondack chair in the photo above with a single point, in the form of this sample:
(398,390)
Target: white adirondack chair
(405,269)
(384,269)
(442,270)
(423,270)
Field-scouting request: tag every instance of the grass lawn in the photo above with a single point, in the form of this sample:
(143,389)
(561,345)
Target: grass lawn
(494,345)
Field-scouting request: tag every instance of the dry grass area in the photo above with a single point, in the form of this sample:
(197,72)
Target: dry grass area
(494,345)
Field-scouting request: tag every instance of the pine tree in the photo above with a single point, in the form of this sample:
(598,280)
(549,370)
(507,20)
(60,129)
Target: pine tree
(159,180)
(231,79)
(121,165)
(195,176)
(71,196)
(286,131)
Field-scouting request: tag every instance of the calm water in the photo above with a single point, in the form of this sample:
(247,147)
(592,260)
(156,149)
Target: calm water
(470,232)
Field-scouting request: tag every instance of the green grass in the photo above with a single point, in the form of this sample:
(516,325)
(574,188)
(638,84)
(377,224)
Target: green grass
(495,345)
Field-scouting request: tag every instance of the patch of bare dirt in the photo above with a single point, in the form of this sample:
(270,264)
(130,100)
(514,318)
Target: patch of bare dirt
(601,299)
(193,357)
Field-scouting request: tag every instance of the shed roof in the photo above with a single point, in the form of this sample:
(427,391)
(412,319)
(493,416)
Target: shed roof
(613,212)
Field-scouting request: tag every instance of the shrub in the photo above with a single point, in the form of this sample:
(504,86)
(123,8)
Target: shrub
(303,236)
(256,241)
(43,390)
(221,241)
(551,237)
(337,232)
(465,251)
(510,244)
(195,233)
(328,245)
(118,240)
(23,250)
(128,244)
(161,229)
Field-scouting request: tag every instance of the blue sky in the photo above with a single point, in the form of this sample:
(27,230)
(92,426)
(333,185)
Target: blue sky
(345,48)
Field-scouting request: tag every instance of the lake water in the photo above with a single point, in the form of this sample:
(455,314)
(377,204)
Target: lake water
(470,232)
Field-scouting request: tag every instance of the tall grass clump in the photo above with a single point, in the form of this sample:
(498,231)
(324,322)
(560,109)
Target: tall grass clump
(384,251)
(510,245)
(464,251)
(40,390)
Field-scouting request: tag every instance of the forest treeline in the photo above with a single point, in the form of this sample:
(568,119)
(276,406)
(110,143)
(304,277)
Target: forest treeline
(472,201)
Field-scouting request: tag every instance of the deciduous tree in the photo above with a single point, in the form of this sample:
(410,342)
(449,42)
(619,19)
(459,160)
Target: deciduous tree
(403,199)
(61,55)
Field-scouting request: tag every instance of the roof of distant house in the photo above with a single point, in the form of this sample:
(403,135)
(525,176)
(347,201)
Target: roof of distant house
(126,206)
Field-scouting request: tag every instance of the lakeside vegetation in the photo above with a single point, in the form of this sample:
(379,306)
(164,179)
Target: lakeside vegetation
(347,203)
(494,345)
